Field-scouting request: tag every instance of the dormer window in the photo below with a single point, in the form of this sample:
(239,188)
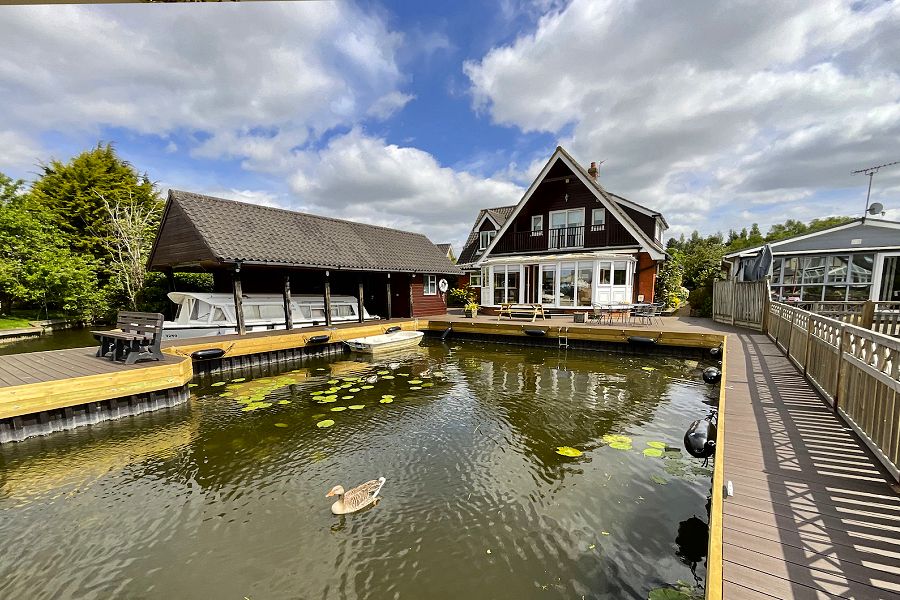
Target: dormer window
(598,219)
(659,230)
(484,239)
(537,224)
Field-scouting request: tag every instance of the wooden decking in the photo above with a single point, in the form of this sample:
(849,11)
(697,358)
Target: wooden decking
(40,381)
(813,514)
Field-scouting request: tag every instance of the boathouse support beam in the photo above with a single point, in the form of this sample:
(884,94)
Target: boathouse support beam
(327,300)
(388,295)
(360,303)
(288,316)
(238,299)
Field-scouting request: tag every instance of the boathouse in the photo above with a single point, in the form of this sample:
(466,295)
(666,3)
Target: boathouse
(250,248)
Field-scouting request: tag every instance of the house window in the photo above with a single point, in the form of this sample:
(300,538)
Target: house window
(567,284)
(598,219)
(475,280)
(566,228)
(620,273)
(430,285)
(584,285)
(548,284)
(506,284)
(801,278)
(537,224)
(484,239)
(659,230)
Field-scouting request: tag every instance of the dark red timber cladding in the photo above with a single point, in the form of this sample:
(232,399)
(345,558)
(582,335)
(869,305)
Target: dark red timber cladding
(425,306)
(551,196)
(645,278)
(179,241)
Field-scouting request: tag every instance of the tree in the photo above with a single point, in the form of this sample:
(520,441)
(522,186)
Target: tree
(74,194)
(10,189)
(132,225)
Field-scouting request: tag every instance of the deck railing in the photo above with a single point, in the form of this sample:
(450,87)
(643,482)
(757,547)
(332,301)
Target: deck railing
(855,369)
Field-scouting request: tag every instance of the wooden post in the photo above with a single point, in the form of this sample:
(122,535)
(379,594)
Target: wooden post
(170,279)
(238,299)
(840,376)
(360,303)
(288,313)
(810,325)
(388,295)
(868,315)
(327,300)
(411,311)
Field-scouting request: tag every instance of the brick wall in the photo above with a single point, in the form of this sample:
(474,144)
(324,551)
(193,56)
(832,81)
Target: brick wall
(645,278)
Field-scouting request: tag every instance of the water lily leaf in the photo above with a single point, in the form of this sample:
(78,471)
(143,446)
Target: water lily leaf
(346,386)
(356,406)
(346,397)
(317,393)
(332,381)
(354,390)
(403,374)
(415,381)
(191,385)
(660,445)
(256,405)
(415,387)
(429,384)
(388,396)
(384,372)
(649,368)
(238,380)
(619,442)
(366,387)
(386,400)
(284,402)
(350,379)
(227,394)
(653,452)
(338,408)
(219,383)
(328,399)
(281,424)
(325,423)
(388,377)
(569,451)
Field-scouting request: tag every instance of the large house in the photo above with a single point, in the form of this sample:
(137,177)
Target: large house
(568,244)
(859,260)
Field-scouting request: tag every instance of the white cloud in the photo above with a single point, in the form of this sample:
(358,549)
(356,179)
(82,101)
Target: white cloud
(18,152)
(709,110)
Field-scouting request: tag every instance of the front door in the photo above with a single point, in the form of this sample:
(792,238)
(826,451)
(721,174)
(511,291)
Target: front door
(890,279)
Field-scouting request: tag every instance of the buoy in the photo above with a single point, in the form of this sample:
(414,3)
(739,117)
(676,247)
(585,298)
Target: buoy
(535,332)
(712,375)
(700,439)
(208,354)
(636,339)
(318,339)
(393,329)
(715,351)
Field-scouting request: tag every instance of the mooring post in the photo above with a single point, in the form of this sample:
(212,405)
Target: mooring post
(360,303)
(411,311)
(288,316)
(327,300)
(238,299)
(388,295)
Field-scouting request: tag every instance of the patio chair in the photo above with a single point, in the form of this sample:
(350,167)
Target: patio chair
(599,313)
(643,314)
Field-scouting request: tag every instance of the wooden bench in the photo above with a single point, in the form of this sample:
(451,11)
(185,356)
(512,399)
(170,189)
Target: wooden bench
(534,310)
(137,337)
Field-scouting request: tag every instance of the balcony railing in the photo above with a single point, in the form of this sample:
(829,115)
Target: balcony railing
(590,236)
(566,237)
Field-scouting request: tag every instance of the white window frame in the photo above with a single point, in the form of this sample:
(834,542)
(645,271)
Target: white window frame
(595,226)
(659,230)
(539,230)
(430,283)
(490,234)
(475,279)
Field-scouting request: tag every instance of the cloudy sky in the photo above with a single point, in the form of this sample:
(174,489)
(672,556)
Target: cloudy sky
(415,115)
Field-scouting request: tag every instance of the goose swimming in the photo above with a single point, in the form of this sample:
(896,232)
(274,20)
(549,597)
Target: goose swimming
(356,499)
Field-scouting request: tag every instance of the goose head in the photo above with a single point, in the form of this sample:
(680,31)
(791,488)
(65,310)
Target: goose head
(337,490)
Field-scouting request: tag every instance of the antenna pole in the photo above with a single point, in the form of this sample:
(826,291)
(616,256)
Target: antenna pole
(870,171)
(868,193)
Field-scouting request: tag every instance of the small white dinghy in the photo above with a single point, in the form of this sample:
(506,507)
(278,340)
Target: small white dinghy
(390,340)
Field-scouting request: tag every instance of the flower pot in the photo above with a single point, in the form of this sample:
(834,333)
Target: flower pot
(580,317)
(471,313)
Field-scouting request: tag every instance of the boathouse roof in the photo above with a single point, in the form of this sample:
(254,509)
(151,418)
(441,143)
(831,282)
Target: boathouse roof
(205,231)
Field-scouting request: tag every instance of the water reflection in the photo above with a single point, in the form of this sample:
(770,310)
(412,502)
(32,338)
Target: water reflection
(216,501)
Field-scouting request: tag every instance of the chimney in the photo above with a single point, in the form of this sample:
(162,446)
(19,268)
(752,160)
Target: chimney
(593,171)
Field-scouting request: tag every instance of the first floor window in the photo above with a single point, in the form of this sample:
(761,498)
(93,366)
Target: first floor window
(484,239)
(430,285)
(475,280)
(598,219)
(537,223)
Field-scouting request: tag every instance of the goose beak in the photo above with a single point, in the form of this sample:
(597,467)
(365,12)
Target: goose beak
(329,494)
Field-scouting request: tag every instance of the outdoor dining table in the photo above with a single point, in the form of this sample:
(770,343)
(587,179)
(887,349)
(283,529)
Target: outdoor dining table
(609,311)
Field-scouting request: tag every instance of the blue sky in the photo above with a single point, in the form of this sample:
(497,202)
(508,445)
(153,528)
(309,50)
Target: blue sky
(417,114)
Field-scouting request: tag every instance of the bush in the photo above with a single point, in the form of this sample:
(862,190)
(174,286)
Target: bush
(461,296)
(701,300)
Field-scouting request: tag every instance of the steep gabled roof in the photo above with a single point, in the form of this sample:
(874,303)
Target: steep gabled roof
(260,235)
(653,247)
(871,233)
(640,208)
(498,215)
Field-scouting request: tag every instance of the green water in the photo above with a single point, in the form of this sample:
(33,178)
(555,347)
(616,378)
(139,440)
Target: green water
(209,500)
(56,340)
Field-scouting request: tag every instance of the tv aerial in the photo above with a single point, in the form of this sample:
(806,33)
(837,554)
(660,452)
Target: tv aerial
(876,208)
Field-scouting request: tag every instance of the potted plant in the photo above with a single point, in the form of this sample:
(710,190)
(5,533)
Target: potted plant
(581,317)
(471,310)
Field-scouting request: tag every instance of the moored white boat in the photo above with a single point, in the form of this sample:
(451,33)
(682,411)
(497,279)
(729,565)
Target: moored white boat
(385,342)
(203,314)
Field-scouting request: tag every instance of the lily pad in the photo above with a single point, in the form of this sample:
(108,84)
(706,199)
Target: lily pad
(192,385)
(325,423)
(660,445)
(338,408)
(619,442)
(415,387)
(388,377)
(281,425)
(653,452)
(384,372)
(327,399)
(649,368)
(429,384)
(238,380)
(354,390)
(386,400)
(366,387)
(219,383)
(316,393)
(332,381)
(256,405)
(388,397)
(415,381)
(347,397)
(403,374)
(569,451)
(356,406)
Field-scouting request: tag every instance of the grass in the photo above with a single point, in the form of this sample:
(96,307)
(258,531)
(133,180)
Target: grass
(13,322)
